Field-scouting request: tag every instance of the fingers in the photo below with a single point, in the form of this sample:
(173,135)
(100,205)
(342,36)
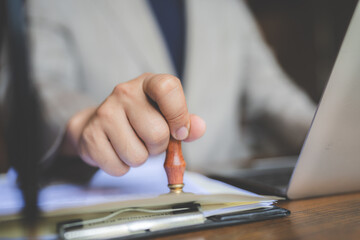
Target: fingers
(128,147)
(147,122)
(96,150)
(149,125)
(110,142)
(166,91)
(197,129)
(128,126)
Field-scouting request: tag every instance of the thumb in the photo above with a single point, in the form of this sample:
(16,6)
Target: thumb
(166,91)
(197,128)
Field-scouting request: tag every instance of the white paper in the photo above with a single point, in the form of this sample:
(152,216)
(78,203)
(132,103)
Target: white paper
(148,180)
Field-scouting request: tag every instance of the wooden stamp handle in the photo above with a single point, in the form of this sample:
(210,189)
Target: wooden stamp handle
(174,163)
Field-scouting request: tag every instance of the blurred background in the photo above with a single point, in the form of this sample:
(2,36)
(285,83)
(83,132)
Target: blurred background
(305,36)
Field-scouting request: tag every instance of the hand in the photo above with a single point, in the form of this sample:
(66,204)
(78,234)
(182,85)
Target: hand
(133,122)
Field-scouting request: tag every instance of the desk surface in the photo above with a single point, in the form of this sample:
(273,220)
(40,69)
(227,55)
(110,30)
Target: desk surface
(334,217)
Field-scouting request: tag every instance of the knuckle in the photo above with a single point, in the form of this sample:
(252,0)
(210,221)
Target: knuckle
(105,112)
(158,140)
(87,140)
(123,90)
(178,116)
(167,83)
(113,167)
(87,136)
(139,158)
(158,135)
(157,149)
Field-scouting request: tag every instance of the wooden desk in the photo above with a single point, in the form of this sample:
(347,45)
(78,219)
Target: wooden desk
(334,217)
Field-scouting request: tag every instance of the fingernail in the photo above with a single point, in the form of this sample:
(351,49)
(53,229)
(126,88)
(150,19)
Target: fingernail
(182,133)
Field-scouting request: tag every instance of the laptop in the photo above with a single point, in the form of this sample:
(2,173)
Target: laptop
(329,161)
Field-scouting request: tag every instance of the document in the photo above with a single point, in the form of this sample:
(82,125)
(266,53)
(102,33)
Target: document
(146,181)
(121,202)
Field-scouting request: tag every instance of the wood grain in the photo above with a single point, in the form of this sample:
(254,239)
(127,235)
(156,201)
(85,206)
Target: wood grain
(332,217)
(174,163)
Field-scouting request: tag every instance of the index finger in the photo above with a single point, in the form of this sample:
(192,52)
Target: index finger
(167,92)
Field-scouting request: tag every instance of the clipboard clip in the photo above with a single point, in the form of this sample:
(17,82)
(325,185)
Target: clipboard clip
(133,221)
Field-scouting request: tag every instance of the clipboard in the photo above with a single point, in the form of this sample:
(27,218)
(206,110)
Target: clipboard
(186,217)
(218,221)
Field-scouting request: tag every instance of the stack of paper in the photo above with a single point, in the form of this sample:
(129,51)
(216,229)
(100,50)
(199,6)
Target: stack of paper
(143,188)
